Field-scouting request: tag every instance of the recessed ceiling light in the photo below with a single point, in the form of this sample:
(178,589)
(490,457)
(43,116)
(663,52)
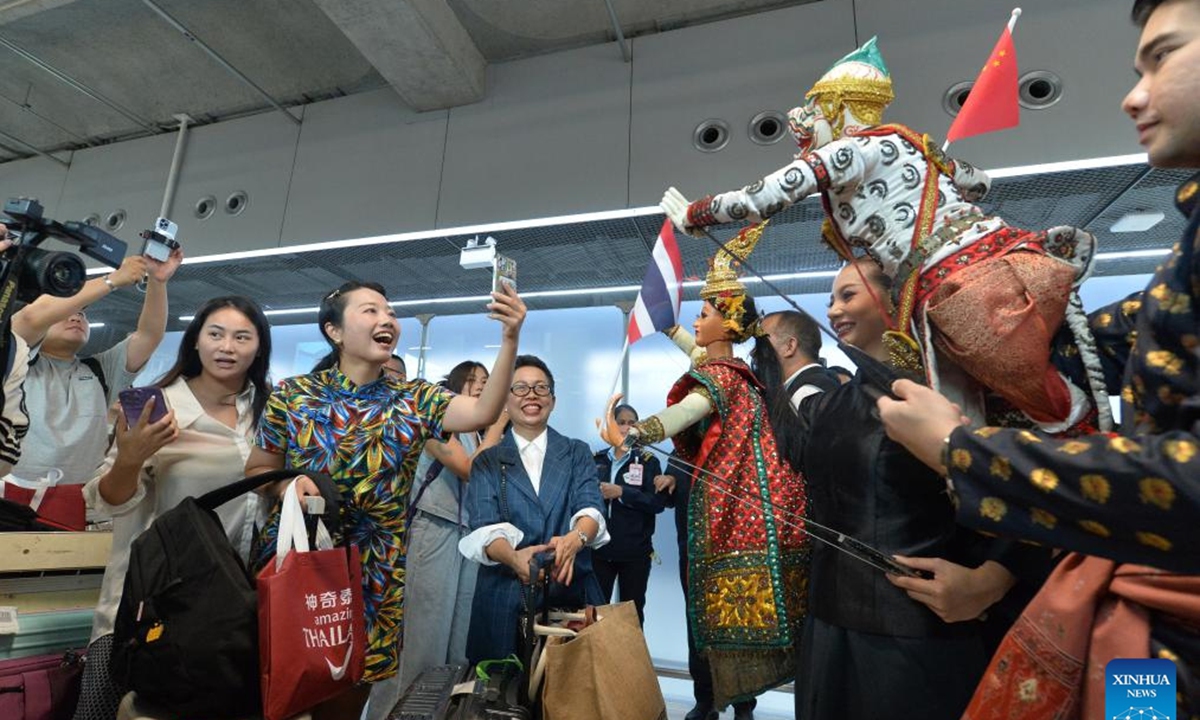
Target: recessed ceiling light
(1137,222)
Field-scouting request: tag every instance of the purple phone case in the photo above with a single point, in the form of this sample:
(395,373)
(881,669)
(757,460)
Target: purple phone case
(134,400)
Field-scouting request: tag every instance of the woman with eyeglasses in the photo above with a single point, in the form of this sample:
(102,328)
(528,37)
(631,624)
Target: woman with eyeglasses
(534,492)
(366,429)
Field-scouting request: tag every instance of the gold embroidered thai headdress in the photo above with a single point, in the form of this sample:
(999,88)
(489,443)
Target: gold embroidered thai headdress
(859,82)
(722,288)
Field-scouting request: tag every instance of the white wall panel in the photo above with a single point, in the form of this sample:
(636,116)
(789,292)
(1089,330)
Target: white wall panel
(36,177)
(366,166)
(1088,43)
(129,176)
(732,71)
(253,154)
(551,138)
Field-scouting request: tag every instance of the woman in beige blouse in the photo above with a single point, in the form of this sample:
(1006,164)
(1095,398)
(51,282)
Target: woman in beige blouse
(215,393)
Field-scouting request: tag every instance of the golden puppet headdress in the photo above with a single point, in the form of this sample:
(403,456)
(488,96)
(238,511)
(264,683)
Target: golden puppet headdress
(721,285)
(859,82)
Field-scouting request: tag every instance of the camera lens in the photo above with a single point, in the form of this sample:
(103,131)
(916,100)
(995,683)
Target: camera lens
(47,272)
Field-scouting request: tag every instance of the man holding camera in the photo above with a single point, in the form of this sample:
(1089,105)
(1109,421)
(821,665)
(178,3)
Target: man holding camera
(67,397)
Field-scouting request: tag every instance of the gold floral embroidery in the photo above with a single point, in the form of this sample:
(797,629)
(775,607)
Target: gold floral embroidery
(1169,300)
(1001,468)
(1095,487)
(1187,191)
(992,508)
(1165,360)
(986,432)
(1123,445)
(1074,447)
(960,459)
(1181,451)
(1127,394)
(1158,542)
(1043,518)
(1027,437)
(1103,320)
(1131,307)
(1165,654)
(1094,528)
(1044,479)
(1157,491)
(741,599)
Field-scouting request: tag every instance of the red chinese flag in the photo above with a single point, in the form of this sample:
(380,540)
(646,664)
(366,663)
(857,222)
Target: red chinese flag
(992,104)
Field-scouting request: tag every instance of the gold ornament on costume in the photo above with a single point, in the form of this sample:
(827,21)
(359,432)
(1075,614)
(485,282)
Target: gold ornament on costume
(722,287)
(903,352)
(860,83)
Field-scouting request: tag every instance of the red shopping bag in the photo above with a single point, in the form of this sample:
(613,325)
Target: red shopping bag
(311,631)
(59,506)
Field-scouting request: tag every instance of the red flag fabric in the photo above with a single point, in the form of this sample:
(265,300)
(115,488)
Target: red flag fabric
(992,104)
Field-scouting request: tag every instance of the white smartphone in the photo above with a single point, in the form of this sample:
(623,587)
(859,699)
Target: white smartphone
(504,270)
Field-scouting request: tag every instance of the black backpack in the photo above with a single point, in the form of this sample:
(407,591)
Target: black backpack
(186,632)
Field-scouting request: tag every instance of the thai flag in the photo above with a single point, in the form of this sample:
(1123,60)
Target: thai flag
(657,306)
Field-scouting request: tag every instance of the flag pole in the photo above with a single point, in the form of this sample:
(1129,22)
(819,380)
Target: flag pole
(616,379)
(1012,23)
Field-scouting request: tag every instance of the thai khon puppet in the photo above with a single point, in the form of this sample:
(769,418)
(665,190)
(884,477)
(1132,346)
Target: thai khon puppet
(978,302)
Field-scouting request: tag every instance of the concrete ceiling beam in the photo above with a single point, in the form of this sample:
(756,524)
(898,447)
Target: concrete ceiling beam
(418,46)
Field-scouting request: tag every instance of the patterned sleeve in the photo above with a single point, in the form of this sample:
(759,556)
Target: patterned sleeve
(1111,496)
(971,181)
(273,435)
(843,162)
(14,421)
(431,403)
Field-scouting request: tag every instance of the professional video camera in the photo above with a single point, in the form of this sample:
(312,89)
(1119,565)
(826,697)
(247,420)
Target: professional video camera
(27,271)
(160,241)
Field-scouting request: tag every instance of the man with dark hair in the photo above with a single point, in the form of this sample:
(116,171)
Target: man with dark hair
(797,343)
(1134,498)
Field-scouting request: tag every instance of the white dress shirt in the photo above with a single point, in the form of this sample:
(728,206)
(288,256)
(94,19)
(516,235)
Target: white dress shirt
(804,390)
(207,455)
(533,455)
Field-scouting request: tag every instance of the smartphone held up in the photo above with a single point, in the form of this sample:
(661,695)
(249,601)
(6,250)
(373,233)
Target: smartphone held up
(134,401)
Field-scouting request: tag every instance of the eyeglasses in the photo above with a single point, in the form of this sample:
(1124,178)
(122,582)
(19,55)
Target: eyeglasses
(540,389)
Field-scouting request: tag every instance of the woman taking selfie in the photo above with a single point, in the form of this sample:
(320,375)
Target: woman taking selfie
(366,429)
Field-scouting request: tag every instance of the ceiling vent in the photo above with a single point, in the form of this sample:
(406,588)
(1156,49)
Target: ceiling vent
(711,135)
(114,221)
(954,98)
(205,207)
(1039,89)
(236,202)
(767,127)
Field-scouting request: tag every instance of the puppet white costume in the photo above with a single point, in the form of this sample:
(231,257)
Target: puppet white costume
(983,300)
